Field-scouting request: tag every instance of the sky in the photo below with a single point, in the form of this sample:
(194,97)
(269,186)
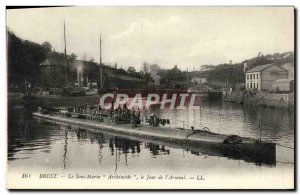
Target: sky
(185,36)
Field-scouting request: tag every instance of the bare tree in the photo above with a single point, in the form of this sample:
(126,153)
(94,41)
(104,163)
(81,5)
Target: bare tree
(131,70)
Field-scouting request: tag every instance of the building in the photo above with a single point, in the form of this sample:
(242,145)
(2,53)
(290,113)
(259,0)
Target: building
(52,73)
(283,85)
(198,80)
(51,65)
(262,77)
(290,68)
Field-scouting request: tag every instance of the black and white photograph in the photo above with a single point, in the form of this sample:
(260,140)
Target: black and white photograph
(151,97)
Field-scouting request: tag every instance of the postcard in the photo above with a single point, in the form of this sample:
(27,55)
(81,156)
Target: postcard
(151,98)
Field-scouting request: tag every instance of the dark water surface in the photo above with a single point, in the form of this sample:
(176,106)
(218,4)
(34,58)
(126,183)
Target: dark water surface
(37,144)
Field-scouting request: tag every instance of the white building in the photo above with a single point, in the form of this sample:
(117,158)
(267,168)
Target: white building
(262,77)
(198,80)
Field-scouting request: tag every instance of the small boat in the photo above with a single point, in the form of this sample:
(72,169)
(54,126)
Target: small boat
(203,141)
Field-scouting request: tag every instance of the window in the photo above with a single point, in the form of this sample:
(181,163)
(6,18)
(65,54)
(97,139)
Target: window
(250,84)
(253,85)
(250,76)
(247,76)
(257,75)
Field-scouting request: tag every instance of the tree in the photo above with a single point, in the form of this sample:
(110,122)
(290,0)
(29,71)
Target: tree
(115,66)
(207,67)
(72,57)
(47,47)
(154,67)
(92,60)
(24,58)
(175,70)
(131,70)
(204,67)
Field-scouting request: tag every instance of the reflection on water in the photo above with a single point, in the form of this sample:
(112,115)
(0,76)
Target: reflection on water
(65,148)
(117,146)
(268,124)
(34,142)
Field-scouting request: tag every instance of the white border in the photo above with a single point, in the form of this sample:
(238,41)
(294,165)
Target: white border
(3,76)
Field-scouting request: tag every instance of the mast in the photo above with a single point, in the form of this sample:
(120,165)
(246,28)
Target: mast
(65,51)
(100,67)
(187,79)
(226,79)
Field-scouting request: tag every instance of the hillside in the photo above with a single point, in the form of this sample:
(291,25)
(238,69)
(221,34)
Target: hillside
(24,58)
(234,73)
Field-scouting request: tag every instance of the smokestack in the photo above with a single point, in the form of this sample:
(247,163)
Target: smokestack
(100,67)
(245,66)
(65,52)
(79,77)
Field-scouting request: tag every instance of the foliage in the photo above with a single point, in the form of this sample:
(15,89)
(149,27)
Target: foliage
(131,70)
(169,75)
(23,59)
(207,67)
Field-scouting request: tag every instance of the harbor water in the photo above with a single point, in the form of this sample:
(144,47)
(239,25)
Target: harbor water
(42,145)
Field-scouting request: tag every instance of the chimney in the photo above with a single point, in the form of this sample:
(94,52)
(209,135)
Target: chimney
(79,77)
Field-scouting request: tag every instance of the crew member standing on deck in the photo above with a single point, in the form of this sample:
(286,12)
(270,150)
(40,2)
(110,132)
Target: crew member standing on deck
(112,108)
(138,115)
(125,106)
(153,119)
(132,118)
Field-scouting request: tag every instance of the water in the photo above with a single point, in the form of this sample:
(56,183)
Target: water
(40,145)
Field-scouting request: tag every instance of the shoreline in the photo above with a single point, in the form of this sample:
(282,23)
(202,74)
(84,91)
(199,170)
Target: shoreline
(261,99)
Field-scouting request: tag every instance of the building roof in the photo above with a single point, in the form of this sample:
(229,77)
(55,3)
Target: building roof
(50,62)
(287,66)
(259,68)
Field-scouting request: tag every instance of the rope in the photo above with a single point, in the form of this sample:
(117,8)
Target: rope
(194,132)
(204,129)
